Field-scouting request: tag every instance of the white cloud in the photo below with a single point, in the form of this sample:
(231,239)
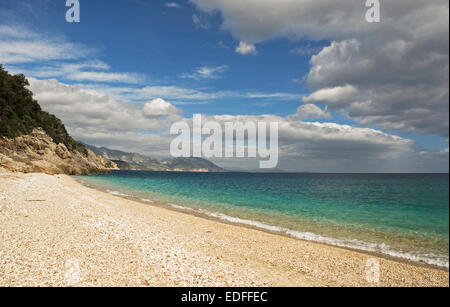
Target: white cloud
(104,77)
(20,45)
(159,107)
(99,119)
(310,111)
(94,71)
(81,108)
(398,88)
(399,66)
(7,31)
(396,81)
(173,5)
(255,21)
(281,96)
(153,145)
(176,93)
(332,95)
(246,48)
(54,58)
(25,51)
(53,70)
(181,95)
(331,147)
(206,72)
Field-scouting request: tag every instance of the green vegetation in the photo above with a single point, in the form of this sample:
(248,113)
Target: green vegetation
(20,113)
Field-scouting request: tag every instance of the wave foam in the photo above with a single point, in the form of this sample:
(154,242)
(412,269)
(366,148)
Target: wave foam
(382,248)
(116,193)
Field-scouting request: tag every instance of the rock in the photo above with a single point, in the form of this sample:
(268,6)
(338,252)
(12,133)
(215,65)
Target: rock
(62,152)
(37,152)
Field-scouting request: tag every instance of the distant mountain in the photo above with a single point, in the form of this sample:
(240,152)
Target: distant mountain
(187,164)
(135,161)
(122,164)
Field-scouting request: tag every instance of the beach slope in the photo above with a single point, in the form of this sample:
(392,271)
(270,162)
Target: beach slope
(56,232)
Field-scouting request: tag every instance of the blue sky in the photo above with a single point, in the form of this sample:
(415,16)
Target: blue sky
(165,44)
(189,47)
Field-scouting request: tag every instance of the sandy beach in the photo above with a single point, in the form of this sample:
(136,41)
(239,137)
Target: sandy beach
(56,232)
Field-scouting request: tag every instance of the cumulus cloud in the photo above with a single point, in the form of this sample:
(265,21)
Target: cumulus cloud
(403,85)
(246,48)
(91,109)
(96,118)
(159,107)
(310,111)
(333,95)
(153,145)
(255,21)
(400,66)
(393,75)
(331,147)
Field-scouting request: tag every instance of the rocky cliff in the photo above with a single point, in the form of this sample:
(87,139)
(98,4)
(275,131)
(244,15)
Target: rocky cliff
(37,152)
(32,140)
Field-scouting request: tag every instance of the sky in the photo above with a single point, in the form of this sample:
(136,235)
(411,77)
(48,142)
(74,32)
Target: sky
(350,96)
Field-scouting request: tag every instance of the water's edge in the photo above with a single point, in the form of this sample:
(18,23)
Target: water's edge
(372,249)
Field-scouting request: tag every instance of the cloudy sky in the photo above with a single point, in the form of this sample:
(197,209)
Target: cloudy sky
(350,96)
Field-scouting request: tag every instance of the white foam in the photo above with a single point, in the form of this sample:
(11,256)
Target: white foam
(429,258)
(181,207)
(116,193)
(147,200)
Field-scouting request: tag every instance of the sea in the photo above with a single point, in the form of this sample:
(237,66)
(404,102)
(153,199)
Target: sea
(400,215)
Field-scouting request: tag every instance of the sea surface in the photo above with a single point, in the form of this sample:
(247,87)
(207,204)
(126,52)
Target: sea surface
(402,215)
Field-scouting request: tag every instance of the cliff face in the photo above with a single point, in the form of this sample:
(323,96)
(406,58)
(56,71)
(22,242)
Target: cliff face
(32,140)
(37,152)
(20,113)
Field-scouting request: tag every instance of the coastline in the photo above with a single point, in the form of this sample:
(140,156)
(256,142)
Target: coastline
(260,226)
(119,241)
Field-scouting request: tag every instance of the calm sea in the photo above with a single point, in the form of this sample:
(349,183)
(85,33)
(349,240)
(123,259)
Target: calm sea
(402,215)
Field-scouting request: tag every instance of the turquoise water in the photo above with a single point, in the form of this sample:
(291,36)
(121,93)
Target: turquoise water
(401,215)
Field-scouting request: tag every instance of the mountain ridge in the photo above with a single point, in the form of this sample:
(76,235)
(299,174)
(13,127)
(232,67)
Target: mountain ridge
(136,161)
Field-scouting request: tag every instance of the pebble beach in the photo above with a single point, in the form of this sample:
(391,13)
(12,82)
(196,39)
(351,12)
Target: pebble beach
(56,232)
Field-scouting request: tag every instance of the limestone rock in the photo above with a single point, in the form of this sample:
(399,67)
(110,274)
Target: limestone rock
(37,152)
(62,152)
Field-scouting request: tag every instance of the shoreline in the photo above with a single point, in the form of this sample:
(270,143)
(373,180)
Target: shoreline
(49,221)
(281,232)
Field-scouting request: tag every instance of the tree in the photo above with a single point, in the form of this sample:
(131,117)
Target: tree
(20,113)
